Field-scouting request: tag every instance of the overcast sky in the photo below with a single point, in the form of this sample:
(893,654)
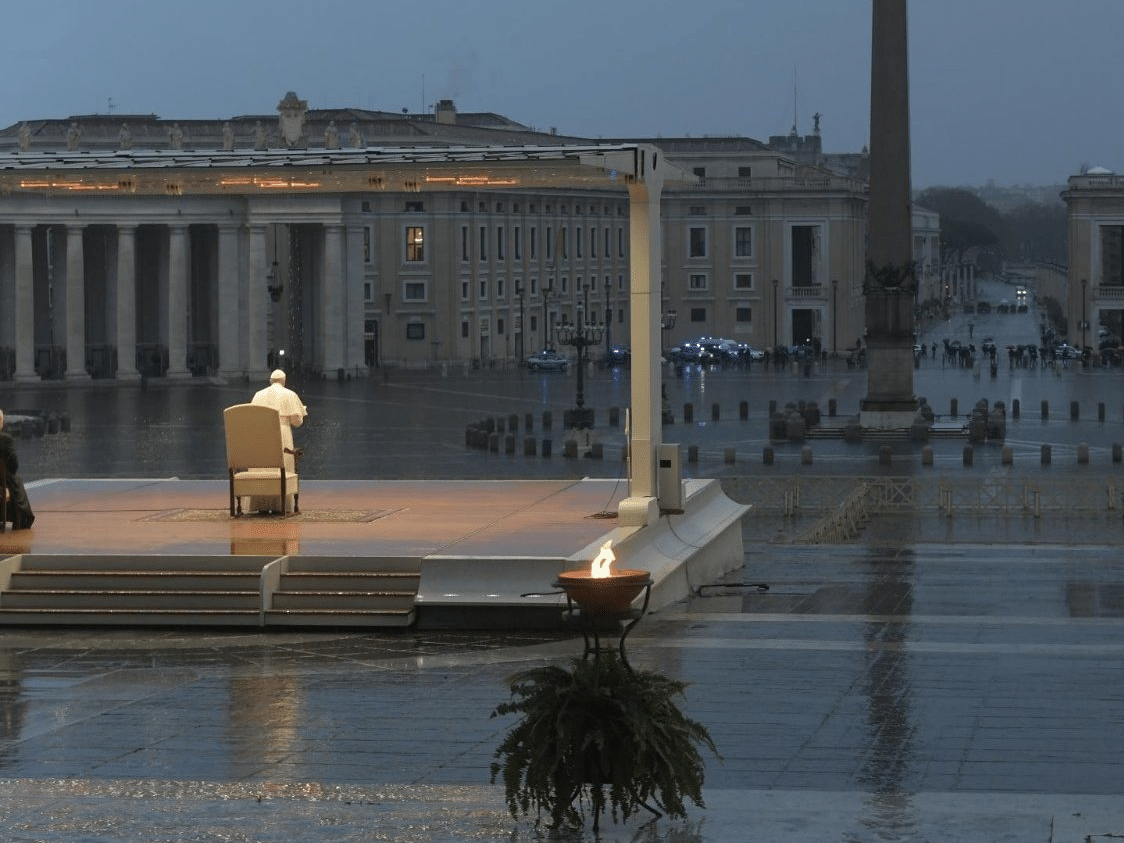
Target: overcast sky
(1015,91)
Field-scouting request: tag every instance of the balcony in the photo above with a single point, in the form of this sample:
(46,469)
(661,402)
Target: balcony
(1108,293)
(809,291)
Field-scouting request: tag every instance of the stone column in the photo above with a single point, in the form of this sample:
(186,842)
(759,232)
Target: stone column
(230,357)
(126,293)
(75,305)
(255,323)
(890,283)
(178,276)
(332,290)
(355,307)
(25,306)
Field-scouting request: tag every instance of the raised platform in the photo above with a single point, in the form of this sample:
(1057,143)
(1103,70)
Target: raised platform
(436,554)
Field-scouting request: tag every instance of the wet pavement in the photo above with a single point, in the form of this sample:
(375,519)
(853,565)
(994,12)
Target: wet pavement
(952,692)
(936,680)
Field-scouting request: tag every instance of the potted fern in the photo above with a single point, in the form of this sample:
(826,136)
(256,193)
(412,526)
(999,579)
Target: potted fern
(598,734)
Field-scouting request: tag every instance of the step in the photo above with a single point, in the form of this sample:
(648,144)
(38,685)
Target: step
(345,600)
(160,564)
(345,581)
(327,617)
(356,564)
(128,617)
(63,580)
(131,599)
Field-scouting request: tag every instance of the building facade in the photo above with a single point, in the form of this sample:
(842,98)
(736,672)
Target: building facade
(301,258)
(1094,299)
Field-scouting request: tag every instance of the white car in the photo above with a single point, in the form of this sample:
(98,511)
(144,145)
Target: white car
(547,359)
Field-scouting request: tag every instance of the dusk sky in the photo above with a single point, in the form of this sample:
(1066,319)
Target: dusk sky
(1015,91)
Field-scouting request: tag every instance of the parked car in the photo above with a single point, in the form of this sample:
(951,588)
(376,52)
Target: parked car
(618,355)
(1067,352)
(548,359)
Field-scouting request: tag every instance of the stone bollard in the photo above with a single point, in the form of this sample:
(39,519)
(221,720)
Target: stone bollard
(529,422)
(927,455)
(730,456)
(1083,453)
(688,413)
(570,449)
(546,447)
(715,412)
(1045,409)
(806,455)
(1006,455)
(547,420)
(885,454)
(832,405)
(1016,408)
(953,407)
(530,446)
(1074,410)
(767,455)
(1047,454)
(743,410)
(1117,452)
(614,417)
(692,453)
(969,454)
(1100,411)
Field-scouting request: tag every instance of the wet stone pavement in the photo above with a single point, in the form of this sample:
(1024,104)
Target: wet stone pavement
(937,692)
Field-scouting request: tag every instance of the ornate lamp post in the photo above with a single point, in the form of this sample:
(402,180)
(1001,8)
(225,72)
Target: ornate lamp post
(580,334)
(667,322)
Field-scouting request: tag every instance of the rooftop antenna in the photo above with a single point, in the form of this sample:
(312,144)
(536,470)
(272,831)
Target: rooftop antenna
(794,100)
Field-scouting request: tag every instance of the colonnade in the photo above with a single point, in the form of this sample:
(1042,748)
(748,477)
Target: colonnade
(87,296)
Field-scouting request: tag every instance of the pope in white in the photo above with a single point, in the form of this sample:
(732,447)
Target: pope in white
(291,413)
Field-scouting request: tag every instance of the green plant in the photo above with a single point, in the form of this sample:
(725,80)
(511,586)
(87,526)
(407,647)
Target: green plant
(598,734)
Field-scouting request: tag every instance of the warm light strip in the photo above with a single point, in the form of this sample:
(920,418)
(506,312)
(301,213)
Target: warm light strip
(27,184)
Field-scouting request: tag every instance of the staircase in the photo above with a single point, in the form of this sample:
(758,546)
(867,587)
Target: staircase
(344,591)
(250,591)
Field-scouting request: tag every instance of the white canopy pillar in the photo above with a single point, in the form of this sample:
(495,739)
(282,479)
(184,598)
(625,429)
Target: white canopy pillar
(354,308)
(75,305)
(255,323)
(25,306)
(641,507)
(125,286)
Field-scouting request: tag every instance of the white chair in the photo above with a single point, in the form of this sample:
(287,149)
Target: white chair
(255,457)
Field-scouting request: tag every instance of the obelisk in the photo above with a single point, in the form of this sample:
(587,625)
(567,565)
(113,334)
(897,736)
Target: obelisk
(890,283)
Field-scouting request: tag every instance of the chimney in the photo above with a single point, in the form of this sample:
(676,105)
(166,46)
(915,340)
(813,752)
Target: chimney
(446,112)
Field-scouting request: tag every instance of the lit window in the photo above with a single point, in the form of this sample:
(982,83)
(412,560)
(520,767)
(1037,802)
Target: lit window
(415,243)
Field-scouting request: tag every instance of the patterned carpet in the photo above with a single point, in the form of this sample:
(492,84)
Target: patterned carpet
(309,515)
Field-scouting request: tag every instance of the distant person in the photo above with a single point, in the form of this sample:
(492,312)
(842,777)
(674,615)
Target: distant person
(19,507)
(291,413)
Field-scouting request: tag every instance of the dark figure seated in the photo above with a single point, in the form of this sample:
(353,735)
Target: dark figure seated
(19,507)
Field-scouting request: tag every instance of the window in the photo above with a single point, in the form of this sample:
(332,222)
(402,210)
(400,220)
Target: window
(534,286)
(413,291)
(580,240)
(499,243)
(696,238)
(518,243)
(743,241)
(534,242)
(483,243)
(699,171)
(697,281)
(499,288)
(620,242)
(608,243)
(464,291)
(698,314)
(464,242)
(534,323)
(743,280)
(367,291)
(565,283)
(743,314)
(366,245)
(464,328)
(415,330)
(415,243)
(563,246)
(593,242)
(696,211)
(483,289)
(549,243)
(743,211)
(745,172)
(414,207)
(499,327)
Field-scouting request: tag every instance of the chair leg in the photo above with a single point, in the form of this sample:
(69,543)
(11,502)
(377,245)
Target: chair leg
(296,504)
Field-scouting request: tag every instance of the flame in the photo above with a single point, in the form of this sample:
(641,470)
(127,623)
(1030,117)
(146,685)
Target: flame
(602,565)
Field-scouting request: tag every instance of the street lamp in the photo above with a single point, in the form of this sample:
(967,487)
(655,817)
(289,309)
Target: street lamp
(1084,321)
(667,322)
(580,334)
(519,353)
(834,317)
(546,294)
(776,340)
